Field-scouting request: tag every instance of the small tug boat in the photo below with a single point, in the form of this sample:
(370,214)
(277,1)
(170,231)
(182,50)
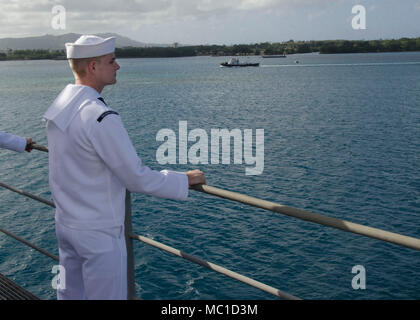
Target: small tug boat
(274,56)
(234,62)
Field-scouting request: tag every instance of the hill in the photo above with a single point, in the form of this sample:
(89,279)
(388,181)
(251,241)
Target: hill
(53,42)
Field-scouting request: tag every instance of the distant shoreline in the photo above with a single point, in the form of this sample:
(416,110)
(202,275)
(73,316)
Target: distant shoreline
(188,56)
(258,49)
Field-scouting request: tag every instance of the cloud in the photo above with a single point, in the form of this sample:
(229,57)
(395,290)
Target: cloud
(314,15)
(21,17)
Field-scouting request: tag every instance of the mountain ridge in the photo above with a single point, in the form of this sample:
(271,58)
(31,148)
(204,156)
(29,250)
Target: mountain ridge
(57,42)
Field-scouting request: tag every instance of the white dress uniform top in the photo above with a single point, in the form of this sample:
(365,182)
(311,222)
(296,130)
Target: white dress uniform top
(91,163)
(12,142)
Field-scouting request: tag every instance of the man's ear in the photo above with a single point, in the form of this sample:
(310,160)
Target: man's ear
(92,65)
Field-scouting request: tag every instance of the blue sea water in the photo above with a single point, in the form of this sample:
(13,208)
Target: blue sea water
(342,138)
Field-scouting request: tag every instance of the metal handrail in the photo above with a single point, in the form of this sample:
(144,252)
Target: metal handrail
(26,194)
(343,225)
(29,244)
(130,256)
(215,267)
(375,233)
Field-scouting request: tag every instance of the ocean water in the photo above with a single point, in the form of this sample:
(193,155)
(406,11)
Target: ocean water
(341,138)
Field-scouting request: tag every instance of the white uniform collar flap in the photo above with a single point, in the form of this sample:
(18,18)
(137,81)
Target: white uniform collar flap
(68,104)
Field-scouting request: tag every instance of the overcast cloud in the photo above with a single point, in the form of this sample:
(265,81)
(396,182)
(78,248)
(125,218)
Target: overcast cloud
(213,21)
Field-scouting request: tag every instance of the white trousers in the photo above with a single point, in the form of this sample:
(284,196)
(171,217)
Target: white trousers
(95,263)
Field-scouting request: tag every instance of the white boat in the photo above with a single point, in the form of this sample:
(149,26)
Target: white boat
(234,62)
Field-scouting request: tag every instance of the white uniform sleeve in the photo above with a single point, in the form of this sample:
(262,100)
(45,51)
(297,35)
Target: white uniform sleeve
(12,142)
(113,145)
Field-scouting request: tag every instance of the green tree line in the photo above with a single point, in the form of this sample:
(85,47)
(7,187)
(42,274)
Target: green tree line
(31,54)
(264,48)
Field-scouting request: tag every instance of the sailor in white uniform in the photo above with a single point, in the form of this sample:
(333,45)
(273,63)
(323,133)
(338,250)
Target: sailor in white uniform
(15,143)
(91,163)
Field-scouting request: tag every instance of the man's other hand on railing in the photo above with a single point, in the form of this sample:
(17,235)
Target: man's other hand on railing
(29,144)
(195,177)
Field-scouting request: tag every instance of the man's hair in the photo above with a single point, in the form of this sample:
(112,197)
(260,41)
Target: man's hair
(78,66)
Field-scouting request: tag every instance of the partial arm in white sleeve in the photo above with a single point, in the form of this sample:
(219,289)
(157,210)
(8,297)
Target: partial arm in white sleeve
(113,145)
(12,142)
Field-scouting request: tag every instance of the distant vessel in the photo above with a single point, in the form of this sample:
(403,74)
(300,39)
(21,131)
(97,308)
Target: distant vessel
(274,56)
(234,62)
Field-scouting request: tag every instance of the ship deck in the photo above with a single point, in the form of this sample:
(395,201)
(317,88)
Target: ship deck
(9,290)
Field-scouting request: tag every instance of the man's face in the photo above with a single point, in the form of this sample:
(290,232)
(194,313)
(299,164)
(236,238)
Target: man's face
(106,70)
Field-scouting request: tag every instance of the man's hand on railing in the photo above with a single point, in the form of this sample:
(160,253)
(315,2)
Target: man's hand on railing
(195,177)
(29,143)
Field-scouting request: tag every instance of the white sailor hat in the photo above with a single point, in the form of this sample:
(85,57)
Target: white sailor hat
(88,46)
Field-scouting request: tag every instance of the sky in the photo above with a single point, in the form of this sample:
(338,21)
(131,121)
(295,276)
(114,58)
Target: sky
(212,21)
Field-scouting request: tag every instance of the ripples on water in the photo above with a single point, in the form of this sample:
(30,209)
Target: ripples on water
(342,138)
